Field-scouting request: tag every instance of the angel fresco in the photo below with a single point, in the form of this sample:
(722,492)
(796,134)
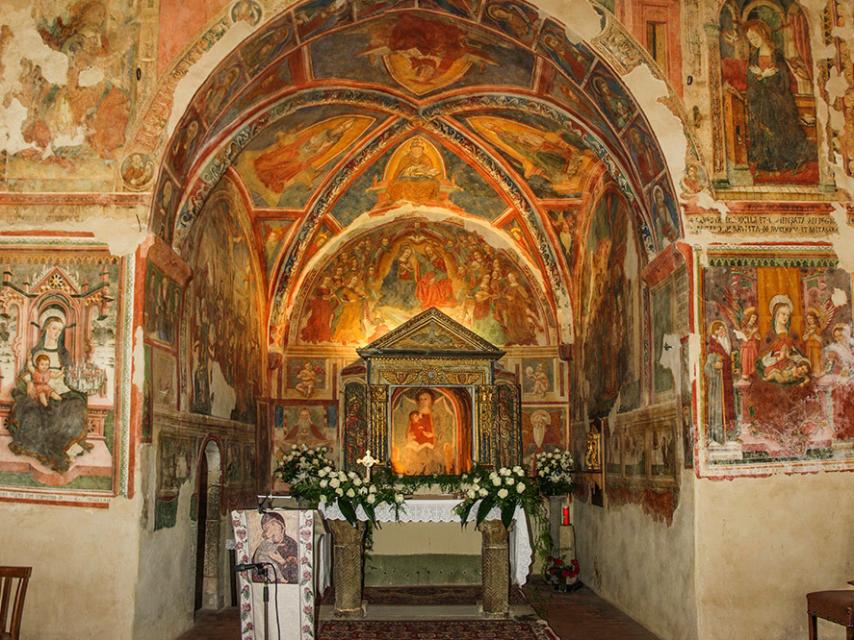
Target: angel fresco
(540,153)
(298,156)
(423,54)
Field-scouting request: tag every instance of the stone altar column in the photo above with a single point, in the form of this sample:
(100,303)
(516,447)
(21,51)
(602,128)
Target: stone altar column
(347,567)
(495,560)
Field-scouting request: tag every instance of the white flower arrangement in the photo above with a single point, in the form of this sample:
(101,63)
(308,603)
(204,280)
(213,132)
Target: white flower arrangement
(554,472)
(504,489)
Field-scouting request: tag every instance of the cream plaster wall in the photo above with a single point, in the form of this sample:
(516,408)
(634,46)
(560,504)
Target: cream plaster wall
(167,559)
(84,563)
(644,567)
(762,544)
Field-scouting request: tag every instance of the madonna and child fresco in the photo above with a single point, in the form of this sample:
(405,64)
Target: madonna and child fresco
(376,283)
(779,362)
(48,415)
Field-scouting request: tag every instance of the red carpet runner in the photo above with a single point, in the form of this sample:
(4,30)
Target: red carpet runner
(436,630)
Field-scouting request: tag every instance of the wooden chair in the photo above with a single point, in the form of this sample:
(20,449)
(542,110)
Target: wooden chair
(836,606)
(13,590)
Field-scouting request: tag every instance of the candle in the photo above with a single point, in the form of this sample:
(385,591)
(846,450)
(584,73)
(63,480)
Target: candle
(565,517)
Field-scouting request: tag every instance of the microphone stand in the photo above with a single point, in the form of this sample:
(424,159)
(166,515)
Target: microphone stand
(261,567)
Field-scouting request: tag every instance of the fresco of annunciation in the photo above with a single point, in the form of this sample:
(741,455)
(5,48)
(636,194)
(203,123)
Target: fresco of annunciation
(778,366)
(60,329)
(377,281)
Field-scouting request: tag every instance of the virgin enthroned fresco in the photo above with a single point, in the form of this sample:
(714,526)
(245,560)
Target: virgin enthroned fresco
(61,352)
(769,108)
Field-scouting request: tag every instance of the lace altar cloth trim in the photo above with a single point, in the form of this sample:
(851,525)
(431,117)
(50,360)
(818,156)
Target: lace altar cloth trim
(426,510)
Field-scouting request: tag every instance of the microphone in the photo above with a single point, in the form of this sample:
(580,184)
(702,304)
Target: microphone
(248,566)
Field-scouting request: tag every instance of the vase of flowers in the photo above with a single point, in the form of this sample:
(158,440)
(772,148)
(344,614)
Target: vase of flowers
(314,481)
(562,575)
(504,489)
(554,478)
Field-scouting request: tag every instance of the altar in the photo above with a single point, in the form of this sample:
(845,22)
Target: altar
(506,554)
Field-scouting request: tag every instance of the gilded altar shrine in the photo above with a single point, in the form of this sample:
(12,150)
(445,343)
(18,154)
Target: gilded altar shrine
(430,398)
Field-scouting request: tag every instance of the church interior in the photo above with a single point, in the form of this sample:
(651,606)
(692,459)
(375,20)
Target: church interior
(459,235)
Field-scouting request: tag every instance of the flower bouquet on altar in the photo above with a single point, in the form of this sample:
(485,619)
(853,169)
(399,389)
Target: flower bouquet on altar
(313,479)
(554,472)
(504,489)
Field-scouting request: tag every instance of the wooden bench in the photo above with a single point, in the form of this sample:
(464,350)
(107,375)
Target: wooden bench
(835,606)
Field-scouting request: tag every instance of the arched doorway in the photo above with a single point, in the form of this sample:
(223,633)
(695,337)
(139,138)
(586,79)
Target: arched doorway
(208,590)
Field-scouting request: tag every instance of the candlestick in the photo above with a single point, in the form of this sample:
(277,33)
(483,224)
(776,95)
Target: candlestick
(565,522)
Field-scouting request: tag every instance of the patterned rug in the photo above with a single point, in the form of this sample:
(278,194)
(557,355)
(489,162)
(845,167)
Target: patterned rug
(533,629)
(414,596)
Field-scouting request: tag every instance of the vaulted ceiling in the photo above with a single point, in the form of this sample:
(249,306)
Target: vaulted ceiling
(339,116)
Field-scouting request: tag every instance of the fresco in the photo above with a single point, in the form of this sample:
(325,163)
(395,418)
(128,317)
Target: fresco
(538,377)
(164,379)
(378,281)
(162,308)
(307,376)
(766,72)
(550,162)
(611,98)
(543,429)
(519,21)
(662,325)
(421,53)
(222,303)
(419,171)
(608,309)
(431,431)
(313,424)
(176,460)
(60,359)
(565,226)
(778,364)
(274,235)
(573,59)
(69,71)
(283,166)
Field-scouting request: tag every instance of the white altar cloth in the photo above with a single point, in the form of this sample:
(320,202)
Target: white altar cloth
(442,510)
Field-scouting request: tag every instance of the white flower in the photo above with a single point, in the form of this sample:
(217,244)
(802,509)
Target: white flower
(351,493)
(520,487)
(470,493)
(339,492)
(323,484)
(493,476)
(323,472)
(483,493)
(363,491)
(357,482)
(351,475)
(496,481)
(335,483)
(510,480)
(502,493)
(371,498)
(504,471)
(398,498)
(373,489)
(322,499)
(519,471)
